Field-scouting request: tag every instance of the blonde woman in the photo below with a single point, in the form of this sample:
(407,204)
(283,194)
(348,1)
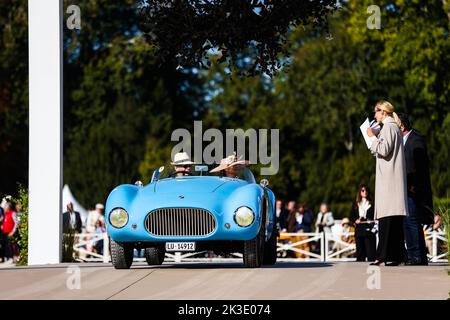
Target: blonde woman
(390,186)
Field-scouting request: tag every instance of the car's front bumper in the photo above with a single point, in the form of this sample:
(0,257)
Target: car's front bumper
(226,229)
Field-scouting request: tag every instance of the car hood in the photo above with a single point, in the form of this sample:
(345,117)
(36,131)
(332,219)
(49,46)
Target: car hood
(194,184)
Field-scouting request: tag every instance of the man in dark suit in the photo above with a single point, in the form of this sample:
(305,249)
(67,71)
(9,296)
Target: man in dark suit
(307,218)
(420,199)
(280,215)
(71,220)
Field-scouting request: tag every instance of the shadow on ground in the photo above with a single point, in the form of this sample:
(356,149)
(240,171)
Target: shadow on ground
(237,265)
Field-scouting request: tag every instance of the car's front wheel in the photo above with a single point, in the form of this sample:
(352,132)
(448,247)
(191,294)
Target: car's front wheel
(121,255)
(254,250)
(155,255)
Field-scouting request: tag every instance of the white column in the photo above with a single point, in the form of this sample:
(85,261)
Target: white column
(45,125)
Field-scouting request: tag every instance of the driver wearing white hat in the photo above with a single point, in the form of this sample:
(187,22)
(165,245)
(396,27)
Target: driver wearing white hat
(182,164)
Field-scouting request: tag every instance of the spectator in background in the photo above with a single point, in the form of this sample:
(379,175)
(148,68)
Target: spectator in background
(93,216)
(17,237)
(91,225)
(420,198)
(9,227)
(71,220)
(291,222)
(5,201)
(305,218)
(391,199)
(100,208)
(347,238)
(100,228)
(362,215)
(290,226)
(280,213)
(347,229)
(324,220)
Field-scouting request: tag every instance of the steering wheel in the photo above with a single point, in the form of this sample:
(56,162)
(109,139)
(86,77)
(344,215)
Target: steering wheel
(187,173)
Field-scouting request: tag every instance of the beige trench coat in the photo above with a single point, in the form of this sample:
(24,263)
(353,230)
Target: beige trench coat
(390,180)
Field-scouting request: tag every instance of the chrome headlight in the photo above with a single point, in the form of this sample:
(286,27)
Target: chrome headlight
(118,218)
(244,216)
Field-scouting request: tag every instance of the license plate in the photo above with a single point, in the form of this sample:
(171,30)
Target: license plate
(180,246)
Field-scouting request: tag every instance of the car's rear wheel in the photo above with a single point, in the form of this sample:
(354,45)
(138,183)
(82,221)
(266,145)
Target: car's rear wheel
(254,250)
(155,255)
(121,255)
(270,250)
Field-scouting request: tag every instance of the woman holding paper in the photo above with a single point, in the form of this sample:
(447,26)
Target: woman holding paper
(390,186)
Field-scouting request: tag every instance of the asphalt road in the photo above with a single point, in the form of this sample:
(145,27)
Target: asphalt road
(227,280)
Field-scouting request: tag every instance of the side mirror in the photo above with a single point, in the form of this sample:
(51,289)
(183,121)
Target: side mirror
(264,183)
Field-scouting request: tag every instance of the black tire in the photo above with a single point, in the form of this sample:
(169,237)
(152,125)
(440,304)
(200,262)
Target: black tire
(270,250)
(254,250)
(121,255)
(155,255)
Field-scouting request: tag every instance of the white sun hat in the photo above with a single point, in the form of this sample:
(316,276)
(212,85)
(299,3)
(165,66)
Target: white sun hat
(229,162)
(181,158)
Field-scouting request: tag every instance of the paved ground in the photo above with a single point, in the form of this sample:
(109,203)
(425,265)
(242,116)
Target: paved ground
(227,280)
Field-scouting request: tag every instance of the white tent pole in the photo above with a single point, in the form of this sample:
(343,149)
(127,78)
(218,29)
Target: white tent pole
(45,125)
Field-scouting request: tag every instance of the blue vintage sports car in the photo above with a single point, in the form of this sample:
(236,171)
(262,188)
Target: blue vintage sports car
(196,211)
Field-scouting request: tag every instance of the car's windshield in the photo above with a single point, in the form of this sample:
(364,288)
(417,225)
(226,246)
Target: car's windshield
(170,171)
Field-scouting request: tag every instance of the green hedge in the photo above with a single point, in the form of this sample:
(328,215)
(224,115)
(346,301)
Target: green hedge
(22,198)
(441,203)
(442,207)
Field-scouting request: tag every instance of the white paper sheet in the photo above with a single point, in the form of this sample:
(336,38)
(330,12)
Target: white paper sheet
(367,124)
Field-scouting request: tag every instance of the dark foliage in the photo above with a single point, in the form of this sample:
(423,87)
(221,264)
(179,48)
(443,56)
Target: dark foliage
(192,32)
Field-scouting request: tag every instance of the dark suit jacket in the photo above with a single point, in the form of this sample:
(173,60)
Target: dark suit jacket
(283,218)
(418,176)
(66,222)
(307,222)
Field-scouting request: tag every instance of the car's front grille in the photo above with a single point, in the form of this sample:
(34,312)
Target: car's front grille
(180,222)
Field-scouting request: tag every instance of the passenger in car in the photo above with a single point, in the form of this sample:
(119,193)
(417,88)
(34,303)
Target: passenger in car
(230,166)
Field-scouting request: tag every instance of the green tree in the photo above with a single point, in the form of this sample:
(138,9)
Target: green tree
(13,94)
(319,102)
(119,96)
(122,102)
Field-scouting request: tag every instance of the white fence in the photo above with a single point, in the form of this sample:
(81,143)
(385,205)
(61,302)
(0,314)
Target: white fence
(435,241)
(317,246)
(291,246)
(85,247)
